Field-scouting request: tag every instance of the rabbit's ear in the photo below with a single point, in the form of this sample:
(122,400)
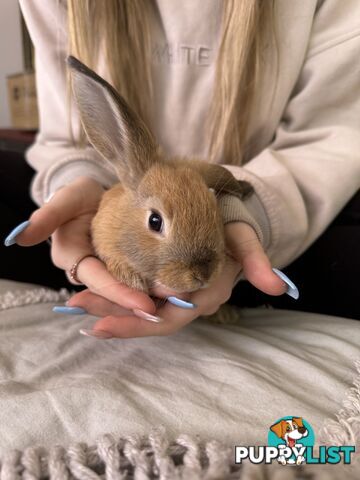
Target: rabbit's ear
(221,180)
(112,127)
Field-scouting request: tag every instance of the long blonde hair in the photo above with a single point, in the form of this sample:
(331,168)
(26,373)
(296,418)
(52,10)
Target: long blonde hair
(123,27)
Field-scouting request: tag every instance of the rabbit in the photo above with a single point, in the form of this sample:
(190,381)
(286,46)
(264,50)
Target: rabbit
(160,224)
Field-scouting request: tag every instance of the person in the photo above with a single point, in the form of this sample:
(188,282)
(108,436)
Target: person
(268,89)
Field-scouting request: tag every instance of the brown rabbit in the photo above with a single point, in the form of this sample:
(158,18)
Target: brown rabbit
(161,224)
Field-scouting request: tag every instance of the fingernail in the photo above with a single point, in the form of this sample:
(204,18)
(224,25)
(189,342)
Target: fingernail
(146,316)
(101,334)
(11,238)
(69,310)
(292,290)
(181,303)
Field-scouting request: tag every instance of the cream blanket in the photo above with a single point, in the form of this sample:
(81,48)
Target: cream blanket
(208,383)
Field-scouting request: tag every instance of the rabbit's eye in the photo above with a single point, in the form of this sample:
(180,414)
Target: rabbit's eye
(155,222)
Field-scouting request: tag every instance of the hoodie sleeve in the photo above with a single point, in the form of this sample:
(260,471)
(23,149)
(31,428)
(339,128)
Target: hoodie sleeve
(54,157)
(312,167)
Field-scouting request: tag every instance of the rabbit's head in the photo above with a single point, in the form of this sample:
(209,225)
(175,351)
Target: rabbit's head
(162,217)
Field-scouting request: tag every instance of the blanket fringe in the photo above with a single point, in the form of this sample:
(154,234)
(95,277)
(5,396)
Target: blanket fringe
(148,458)
(19,298)
(346,429)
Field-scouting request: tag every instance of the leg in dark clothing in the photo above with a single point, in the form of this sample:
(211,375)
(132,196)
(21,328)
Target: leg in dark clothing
(23,264)
(327,274)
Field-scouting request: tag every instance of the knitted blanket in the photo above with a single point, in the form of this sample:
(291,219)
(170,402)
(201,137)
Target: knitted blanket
(160,455)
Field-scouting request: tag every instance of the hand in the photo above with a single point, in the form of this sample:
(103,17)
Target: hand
(244,253)
(67,218)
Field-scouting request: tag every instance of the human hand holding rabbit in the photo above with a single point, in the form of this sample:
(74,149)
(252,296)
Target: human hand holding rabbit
(158,232)
(246,255)
(67,217)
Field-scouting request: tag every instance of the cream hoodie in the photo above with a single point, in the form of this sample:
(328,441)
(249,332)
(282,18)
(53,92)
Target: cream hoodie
(304,130)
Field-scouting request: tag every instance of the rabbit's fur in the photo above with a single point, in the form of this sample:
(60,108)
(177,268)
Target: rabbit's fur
(189,251)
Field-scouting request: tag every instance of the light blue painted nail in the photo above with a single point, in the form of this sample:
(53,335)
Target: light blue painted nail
(11,238)
(69,310)
(181,303)
(292,290)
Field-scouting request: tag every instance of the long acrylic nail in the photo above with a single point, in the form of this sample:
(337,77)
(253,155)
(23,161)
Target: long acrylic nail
(69,310)
(100,334)
(181,303)
(11,238)
(146,316)
(292,289)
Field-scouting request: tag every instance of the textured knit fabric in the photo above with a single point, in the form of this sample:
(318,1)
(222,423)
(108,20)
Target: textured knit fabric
(234,209)
(303,139)
(210,387)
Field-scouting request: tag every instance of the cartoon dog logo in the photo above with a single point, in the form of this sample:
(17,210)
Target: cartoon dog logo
(291,431)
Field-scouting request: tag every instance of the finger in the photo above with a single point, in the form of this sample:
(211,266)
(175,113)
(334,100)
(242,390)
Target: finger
(96,305)
(93,273)
(164,292)
(246,248)
(174,318)
(71,242)
(257,269)
(67,203)
(128,327)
